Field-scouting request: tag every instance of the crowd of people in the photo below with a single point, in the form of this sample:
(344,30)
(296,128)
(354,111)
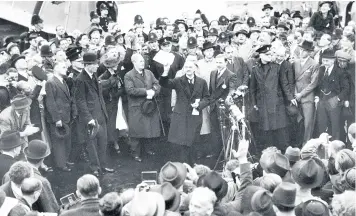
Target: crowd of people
(71,96)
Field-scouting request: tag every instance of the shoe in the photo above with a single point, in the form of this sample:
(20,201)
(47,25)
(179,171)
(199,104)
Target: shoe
(96,173)
(137,158)
(151,153)
(64,169)
(70,163)
(109,170)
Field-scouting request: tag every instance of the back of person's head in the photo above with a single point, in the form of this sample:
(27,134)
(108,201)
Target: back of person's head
(201,169)
(110,204)
(344,160)
(203,196)
(270,181)
(344,204)
(30,186)
(20,171)
(127,195)
(35,161)
(335,146)
(88,186)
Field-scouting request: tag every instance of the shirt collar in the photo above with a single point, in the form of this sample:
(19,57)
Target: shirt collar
(5,153)
(90,75)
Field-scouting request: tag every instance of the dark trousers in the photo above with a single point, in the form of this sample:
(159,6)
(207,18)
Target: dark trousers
(97,149)
(185,154)
(328,114)
(137,144)
(77,144)
(216,144)
(278,138)
(61,147)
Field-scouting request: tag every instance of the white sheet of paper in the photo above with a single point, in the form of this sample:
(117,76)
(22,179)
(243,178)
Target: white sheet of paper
(195,112)
(164,57)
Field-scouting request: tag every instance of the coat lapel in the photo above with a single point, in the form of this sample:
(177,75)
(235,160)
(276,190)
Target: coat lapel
(62,86)
(213,80)
(140,77)
(195,89)
(185,85)
(221,80)
(90,80)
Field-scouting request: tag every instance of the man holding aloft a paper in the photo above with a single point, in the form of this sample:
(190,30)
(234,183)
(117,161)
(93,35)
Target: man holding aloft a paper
(192,94)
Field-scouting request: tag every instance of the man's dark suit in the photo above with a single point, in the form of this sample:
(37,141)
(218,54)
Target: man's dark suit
(89,207)
(91,105)
(220,88)
(332,90)
(5,163)
(59,106)
(238,67)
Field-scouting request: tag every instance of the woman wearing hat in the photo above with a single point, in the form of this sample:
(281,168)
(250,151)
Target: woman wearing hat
(323,20)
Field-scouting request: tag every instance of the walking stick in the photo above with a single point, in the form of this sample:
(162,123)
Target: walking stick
(314,118)
(160,118)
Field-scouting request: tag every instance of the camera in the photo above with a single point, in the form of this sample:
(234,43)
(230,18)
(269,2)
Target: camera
(149,177)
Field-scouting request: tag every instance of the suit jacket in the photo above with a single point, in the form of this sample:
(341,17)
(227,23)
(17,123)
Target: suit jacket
(306,79)
(6,187)
(89,99)
(10,121)
(239,67)
(59,101)
(89,207)
(5,163)
(221,87)
(336,83)
(287,69)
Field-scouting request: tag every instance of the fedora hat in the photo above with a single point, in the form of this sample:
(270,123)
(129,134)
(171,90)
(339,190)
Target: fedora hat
(216,183)
(293,154)
(247,194)
(261,202)
(147,204)
(207,45)
(285,194)
(20,101)
(10,139)
(307,45)
(297,15)
(174,173)
(38,73)
(267,6)
(312,208)
(170,195)
(309,172)
(275,162)
(93,130)
(36,149)
(148,107)
(62,132)
(15,58)
(90,58)
(349,179)
(46,51)
(328,53)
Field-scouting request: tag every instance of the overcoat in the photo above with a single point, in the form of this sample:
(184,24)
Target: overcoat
(269,88)
(140,125)
(185,127)
(6,162)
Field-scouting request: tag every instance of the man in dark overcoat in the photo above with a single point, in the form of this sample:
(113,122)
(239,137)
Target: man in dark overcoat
(269,88)
(10,145)
(92,112)
(223,82)
(192,93)
(141,87)
(330,94)
(60,110)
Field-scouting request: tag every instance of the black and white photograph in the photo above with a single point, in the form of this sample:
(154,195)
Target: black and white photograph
(177,108)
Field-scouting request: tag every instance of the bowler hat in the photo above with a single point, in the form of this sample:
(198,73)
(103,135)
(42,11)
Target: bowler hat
(207,45)
(152,37)
(297,15)
(36,19)
(264,49)
(10,139)
(275,162)
(15,58)
(170,194)
(251,22)
(93,130)
(216,183)
(46,51)
(285,194)
(213,32)
(10,46)
(308,173)
(192,43)
(267,6)
(36,149)
(90,58)
(62,132)
(223,37)
(293,154)
(223,20)
(38,73)
(74,53)
(307,45)
(328,53)
(20,101)
(148,107)
(138,19)
(312,208)
(174,173)
(261,202)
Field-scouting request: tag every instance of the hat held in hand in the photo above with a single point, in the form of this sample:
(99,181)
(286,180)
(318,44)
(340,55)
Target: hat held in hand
(174,173)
